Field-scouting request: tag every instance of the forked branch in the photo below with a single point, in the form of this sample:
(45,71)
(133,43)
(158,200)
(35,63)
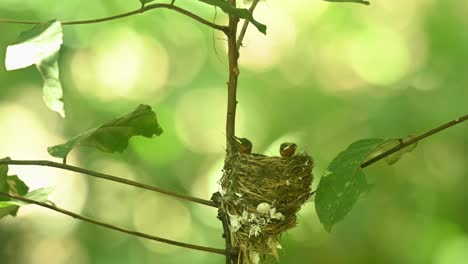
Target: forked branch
(414,140)
(108,177)
(246,24)
(116,228)
(131,13)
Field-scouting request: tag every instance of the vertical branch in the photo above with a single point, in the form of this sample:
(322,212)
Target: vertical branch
(233,56)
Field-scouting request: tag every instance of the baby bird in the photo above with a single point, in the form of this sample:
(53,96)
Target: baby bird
(287,149)
(242,145)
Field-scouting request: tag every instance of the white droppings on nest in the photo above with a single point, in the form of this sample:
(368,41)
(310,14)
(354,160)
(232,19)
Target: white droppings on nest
(276,215)
(235,222)
(255,230)
(257,221)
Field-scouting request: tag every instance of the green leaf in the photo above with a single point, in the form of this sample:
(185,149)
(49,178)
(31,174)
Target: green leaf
(390,144)
(238,12)
(343,182)
(350,1)
(39,195)
(10,185)
(9,210)
(17,186)
(113,136)
(40,46)
(52,89)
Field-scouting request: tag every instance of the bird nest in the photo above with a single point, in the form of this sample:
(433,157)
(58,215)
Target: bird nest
(262,196)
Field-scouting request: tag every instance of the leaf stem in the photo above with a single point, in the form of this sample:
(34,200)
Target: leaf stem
(131,13)
(246,24)
(414,140)
(134,233)
(106,177)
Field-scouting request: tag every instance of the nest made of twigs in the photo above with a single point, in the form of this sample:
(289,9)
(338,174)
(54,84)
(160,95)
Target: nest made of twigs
(262,196)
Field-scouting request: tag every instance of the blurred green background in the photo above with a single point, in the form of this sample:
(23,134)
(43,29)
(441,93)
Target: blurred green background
(324,76)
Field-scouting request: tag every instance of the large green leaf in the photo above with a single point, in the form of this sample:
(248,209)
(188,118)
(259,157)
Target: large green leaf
(350,1)
(40,46)
(343,182)
(238,12)
(113,136)
(11,185)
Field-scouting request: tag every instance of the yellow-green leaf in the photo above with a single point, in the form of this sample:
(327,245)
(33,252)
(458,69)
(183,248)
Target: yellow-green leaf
(40,46)
(11,185)
(113,136)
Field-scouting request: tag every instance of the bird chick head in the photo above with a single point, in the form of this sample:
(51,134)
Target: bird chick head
(242,145)
(287,149)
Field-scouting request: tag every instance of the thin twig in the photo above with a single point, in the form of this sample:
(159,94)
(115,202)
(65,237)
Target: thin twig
(106,177)
(134,233)
(246,25)
(131,13)
(414,140)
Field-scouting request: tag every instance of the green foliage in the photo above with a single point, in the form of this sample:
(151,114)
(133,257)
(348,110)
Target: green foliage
(39,195)
(113,136)
(349,1)
(10,185)
(343,182)
(390,144)
(52,89)
(40,46)
(238,12)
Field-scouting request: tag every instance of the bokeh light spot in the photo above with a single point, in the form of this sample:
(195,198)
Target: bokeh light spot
(200,119)
(121,64)
(164,217)
(379,55)
(453,251)
(262,52)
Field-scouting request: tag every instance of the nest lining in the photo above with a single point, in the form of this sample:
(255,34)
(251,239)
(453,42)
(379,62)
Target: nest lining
(262,196)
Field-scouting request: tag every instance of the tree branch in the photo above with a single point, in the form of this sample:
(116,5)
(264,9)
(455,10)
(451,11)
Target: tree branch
(133,233)
(246,25)
(233,56)
(131,13)
(414,140)
(106,177)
